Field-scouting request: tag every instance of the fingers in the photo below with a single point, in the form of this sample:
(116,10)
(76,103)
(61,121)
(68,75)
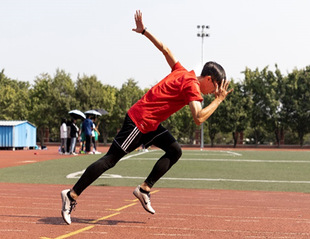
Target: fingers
(224,88)
(216,89)
(138,15)
(226,85)
(231,90)
(138,20)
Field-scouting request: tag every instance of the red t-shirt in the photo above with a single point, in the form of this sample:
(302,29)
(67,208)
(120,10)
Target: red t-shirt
(165,98)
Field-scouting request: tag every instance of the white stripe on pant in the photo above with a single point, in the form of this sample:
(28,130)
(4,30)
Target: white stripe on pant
(130,138)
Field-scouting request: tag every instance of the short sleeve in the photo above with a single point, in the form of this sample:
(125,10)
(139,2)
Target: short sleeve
(177,66)
(191,91)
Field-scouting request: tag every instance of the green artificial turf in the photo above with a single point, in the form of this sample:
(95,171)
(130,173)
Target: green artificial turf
(209,169)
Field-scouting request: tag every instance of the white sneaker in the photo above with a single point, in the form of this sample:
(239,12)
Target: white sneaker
(97,152)
(145,199)
(67,206)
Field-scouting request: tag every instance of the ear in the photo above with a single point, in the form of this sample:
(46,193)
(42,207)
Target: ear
(204,84)
(209,78)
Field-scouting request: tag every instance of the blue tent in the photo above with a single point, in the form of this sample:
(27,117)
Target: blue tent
(17,134)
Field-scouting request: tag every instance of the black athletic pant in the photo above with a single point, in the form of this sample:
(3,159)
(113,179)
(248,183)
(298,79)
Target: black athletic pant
(162,139)
(88,143)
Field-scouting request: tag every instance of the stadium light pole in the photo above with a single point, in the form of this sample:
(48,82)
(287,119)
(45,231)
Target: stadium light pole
(201,33)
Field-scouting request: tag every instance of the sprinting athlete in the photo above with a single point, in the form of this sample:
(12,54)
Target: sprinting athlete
(142,122)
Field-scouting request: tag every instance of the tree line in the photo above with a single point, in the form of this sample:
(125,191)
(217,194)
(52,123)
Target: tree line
(265,106)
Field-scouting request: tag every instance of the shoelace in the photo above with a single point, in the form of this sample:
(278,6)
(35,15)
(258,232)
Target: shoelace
(72,206)
(148,197)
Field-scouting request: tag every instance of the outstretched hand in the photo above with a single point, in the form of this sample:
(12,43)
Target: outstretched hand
(139,24)
(222,91)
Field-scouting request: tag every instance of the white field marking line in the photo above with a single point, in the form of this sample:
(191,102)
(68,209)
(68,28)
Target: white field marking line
(12,230)
(133,155)
(20,215)
(100,233)
(221,153)
(199,152)
(213,152)
(28,161)
(209,230)
(238,217)
(16,222)
(34,208)
(234,160)
(172,235)
(76,174)
(230,152)
(262,232)
(115,176)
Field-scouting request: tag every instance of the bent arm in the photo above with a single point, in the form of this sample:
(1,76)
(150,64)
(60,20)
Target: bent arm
(202,114)
(159,45)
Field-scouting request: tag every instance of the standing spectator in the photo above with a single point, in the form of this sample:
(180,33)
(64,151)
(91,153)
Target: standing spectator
(74,133)
(63,136)
(68,136)
(95,134)
(82,139)
(87,127)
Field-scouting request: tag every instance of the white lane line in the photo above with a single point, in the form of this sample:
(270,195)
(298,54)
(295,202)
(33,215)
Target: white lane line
(234,160)
(230,152)
(116,176)
(133,155)
(12,230)
(172,235)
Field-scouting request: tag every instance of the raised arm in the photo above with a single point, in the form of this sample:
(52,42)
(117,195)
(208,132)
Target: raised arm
(140,28)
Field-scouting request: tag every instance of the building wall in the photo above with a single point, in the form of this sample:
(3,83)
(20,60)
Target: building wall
(20,134)
(6,136)
(24,135)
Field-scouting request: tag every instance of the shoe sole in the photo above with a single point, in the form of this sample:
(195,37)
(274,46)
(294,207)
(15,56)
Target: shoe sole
(62,212)
(63,217)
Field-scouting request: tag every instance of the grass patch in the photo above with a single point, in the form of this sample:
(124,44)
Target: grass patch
(238,170)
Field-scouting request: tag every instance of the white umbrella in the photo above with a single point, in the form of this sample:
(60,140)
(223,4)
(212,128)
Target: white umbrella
(77,114)
(92,112)
(102,111)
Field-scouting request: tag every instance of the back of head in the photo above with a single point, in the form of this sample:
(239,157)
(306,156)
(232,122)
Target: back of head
(215,70)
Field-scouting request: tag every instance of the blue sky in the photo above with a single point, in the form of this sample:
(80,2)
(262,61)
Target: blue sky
(94,37)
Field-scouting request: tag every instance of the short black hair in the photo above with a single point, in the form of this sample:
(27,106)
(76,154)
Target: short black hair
(215,70)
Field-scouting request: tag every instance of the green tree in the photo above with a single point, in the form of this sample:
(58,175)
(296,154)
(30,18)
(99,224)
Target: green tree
(232,112)
(52,99)
(261,87)
(296,103)
(41,106)
(14,98)
(274,122)
(182,126)
(89,93)
(62,99)
(108,126)
(212,125)
(92,94)
(129,94)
